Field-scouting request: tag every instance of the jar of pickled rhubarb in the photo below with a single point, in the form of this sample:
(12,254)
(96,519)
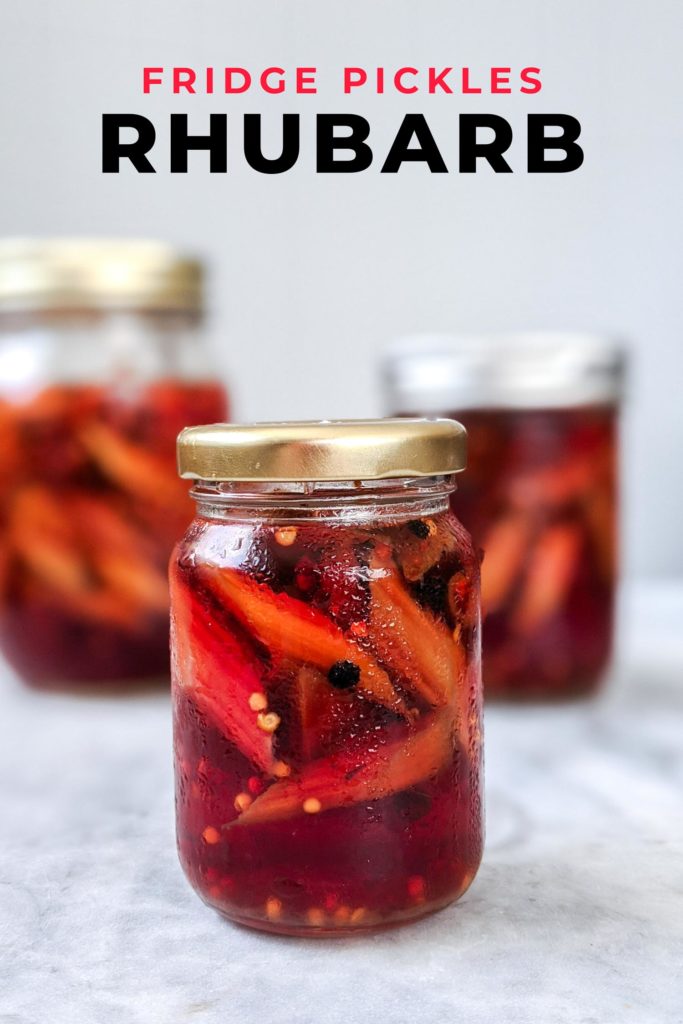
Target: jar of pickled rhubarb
(102,362)
(542,416)
(326,674)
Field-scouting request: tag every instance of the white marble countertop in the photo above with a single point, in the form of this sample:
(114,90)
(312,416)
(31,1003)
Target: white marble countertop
(576,916)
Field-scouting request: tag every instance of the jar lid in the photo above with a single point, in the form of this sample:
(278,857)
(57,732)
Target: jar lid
(328,450)
(440,373)
(96,274)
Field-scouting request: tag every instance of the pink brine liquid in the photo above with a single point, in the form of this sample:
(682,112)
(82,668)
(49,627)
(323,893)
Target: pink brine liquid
(539,499)
(90,507)
(327,732)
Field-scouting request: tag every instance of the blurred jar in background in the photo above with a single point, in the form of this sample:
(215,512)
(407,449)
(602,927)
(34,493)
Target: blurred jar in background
(102,363)
(541,413)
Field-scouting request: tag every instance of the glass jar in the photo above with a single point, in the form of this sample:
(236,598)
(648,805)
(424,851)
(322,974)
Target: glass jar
(326,675)
(101,364)
(542,417)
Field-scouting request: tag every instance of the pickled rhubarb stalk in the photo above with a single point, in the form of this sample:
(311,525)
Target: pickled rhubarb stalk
(108,524)
(142,585)
(505,551)
(354,776)
(56,581)
(290,628)
(10,449)
(120,555)
(600,518)
(103,607)
(549,577)
(552,486)
(223,676)
(45,539)
(130,467)
(322,711)
(62,543)
(410,639)
(90,509)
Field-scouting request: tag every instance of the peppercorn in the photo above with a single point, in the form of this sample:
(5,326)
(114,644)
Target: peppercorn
(344,674)
(432,591)
(419,528)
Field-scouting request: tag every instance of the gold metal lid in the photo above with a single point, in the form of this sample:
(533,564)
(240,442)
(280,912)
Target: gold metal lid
(328,450)
(96,274)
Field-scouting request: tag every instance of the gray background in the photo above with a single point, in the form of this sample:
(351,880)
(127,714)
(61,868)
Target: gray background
(312,274)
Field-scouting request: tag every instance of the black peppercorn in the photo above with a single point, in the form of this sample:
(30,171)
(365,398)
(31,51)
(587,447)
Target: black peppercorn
(344,674)
(431,591)
(419,528)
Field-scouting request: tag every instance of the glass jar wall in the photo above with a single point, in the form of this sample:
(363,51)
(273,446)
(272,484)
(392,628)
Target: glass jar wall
(541,497)
(101,364)
(326,678)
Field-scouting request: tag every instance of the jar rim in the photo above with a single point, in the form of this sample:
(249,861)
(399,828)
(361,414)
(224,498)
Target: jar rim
(326,450)
(71,274)
(433,373)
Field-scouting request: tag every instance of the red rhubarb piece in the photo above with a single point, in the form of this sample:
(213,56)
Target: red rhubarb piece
(359,773)
(323,712)
(290,628)
(132,468)
(505,550)
(223,676)
(549,577)
(411,639)
(120,555)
